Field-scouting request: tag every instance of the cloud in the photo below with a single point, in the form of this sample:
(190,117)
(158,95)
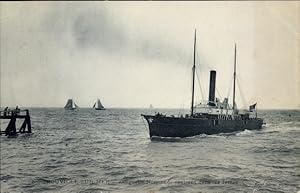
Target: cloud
(96,29)
(119,51)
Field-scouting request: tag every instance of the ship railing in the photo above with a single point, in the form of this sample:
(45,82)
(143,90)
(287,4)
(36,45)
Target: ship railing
(215,106)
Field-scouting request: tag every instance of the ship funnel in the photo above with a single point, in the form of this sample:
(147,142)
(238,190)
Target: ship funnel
(212,88)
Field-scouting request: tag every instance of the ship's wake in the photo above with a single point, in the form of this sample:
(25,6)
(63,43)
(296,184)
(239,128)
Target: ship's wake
(246,132)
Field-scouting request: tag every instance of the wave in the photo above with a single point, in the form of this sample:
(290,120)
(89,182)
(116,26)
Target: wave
(166,139)
(98,145)
(246,132)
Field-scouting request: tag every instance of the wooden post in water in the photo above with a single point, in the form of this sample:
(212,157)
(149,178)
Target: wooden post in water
(13,115)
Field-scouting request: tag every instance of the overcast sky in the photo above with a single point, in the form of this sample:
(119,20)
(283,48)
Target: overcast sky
(133,54)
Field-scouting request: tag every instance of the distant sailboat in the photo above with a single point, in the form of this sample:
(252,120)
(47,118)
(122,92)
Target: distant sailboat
(71,105)
(151,106)
(98,105)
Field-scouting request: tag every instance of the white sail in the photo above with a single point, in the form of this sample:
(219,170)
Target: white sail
(71,105)
(98,105)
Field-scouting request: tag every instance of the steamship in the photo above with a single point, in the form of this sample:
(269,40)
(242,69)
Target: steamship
(212,117)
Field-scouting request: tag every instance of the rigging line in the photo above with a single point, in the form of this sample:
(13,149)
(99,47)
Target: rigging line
(198,66)
(242,76)
(199,83)
(203,65)
(242,94)
(229,91)
(199,74)
(184,97)
(240,81)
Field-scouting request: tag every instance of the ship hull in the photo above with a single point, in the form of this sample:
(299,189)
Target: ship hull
(98,109)
(72,109)
(163,126)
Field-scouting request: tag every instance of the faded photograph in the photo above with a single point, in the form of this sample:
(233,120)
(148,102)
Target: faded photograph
(150,96)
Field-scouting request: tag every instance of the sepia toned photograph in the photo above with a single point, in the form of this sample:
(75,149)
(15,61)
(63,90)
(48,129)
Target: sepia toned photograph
(150,97)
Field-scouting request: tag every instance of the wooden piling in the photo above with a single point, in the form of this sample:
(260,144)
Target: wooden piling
(13,115)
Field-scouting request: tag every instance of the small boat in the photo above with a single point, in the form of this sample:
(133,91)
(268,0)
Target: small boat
(71,105)
(98,105)
(213,117)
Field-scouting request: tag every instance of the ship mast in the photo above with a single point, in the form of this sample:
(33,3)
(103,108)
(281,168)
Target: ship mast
(234,77)
(193,69)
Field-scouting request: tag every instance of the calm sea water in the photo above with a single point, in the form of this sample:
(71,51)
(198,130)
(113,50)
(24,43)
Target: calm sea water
(110,151)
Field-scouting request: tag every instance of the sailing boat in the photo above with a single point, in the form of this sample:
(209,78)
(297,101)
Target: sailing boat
(71,105)
(212,117)
(98,105)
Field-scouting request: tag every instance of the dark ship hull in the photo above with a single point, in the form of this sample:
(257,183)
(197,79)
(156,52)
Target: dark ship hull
(212,118)
(99,109)
(71,109)
(164,126)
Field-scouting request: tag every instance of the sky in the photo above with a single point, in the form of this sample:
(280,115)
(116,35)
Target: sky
(133,54)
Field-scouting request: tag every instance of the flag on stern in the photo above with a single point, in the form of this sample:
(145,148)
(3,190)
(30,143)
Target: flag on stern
(252,107)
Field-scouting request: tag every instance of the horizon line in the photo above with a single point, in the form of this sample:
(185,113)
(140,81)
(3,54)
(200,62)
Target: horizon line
(85,107)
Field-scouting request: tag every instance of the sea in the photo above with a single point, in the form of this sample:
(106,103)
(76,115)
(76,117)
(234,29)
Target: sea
(89,151)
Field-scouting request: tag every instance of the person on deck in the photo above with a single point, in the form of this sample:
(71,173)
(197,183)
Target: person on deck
(5,111)
(17,109)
